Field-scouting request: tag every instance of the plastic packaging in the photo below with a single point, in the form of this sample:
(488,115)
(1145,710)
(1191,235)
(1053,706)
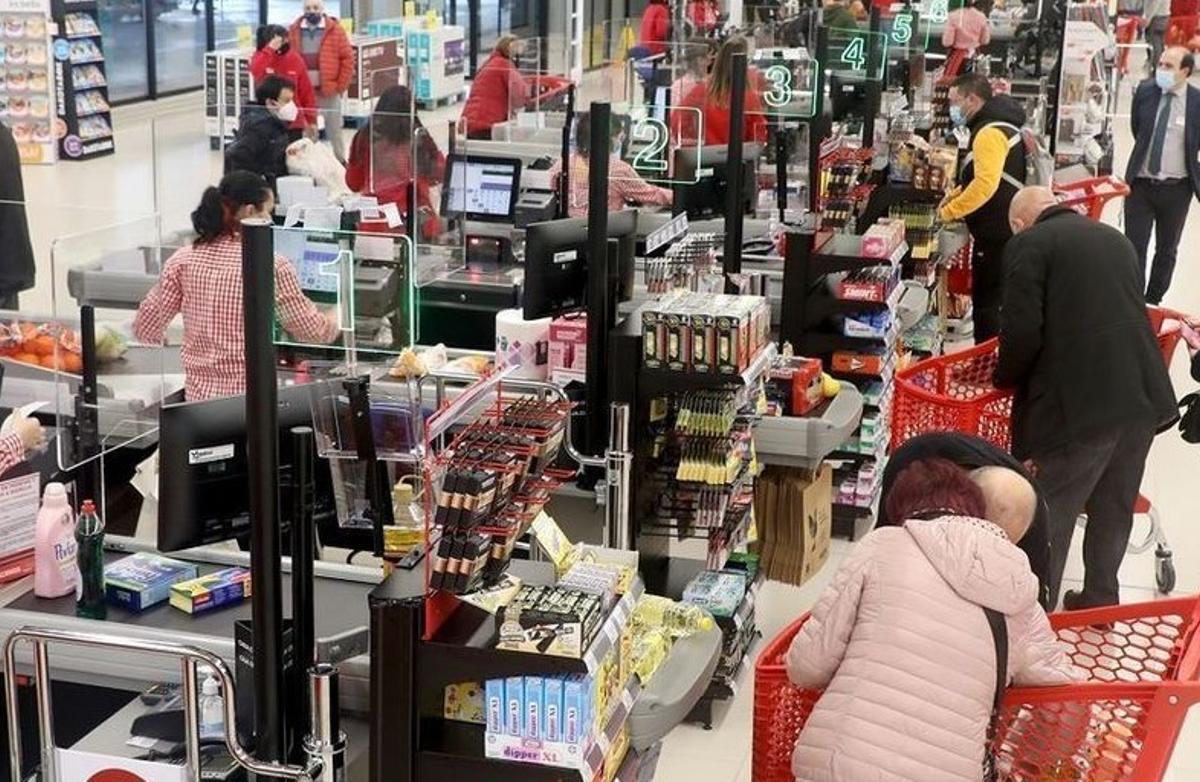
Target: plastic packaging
(55,571)
(212,709)
(89,539)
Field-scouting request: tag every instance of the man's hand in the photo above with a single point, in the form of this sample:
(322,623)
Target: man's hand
(30,432)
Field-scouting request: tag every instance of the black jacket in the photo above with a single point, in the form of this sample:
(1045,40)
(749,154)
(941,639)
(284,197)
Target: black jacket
(1144,114)
(970,452)
(1075,340)
(989,222)
(260,146)
(17,266)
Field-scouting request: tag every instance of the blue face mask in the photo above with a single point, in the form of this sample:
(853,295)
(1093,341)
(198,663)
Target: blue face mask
(1164,79)
(956,115)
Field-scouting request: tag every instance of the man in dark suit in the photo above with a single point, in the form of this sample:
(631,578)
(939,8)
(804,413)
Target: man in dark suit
(1092,389)
(1163,172)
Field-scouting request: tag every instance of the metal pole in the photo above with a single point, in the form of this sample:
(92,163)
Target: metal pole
(325,743)
(303,629)
(735,207)
(262,456)
(617,530)
(597,277)
(12,710)
(191,717)
(564,178)
(41,668)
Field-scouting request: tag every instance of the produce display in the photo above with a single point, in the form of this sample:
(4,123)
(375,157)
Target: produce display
(48,345)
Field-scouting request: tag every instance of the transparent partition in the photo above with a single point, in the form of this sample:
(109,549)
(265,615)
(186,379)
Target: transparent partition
(112,270)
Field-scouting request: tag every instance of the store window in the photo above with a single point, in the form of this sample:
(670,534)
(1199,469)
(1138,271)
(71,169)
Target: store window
(179,42)
(123,24)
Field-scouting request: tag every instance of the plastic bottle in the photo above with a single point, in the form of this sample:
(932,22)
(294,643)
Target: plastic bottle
(212,709)
(55,571)
(89,537)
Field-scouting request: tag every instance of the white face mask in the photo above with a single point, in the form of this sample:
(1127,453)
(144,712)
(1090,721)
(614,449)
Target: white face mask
(288,112)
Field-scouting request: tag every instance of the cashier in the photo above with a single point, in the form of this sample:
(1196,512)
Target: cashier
(625,185)
(203,282)
(497,92)
(712,98)
(24,436)
(392,148)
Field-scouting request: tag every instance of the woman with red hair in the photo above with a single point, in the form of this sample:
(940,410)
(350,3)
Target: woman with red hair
(904,641)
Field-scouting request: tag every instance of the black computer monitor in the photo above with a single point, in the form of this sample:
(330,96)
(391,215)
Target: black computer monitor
(203,496)
(847,97)
(481,188)
(556,269)
(705,170)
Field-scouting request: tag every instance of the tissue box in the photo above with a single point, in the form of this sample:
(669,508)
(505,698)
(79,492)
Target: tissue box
(142,580)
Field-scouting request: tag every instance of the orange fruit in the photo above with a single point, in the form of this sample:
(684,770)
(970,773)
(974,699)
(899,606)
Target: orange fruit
(72,362)
(49,361)
(27,358)
(43,345)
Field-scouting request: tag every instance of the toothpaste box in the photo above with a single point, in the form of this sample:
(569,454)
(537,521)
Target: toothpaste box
(225,587)
(552,707)
(493,704)
(534,692)
(514,702)
(576,709)
(142,580)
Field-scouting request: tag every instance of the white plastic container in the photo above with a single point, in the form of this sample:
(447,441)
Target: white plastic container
(55,570)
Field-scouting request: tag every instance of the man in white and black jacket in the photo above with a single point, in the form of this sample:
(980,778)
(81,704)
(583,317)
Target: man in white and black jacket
(1092,388)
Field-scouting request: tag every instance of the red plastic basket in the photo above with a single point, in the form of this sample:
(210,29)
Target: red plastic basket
(955,393)
(1090,196)
(1121,726)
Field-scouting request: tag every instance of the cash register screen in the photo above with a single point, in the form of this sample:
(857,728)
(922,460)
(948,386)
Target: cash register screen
(314,259)
(482,188)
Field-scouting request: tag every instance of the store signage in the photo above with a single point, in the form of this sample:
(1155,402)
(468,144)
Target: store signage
(75,766)
(675,228)
(23,7)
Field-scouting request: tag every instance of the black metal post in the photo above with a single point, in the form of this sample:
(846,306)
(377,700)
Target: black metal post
(262,457)
(735,206)
(564,178)
(781,168)
(378,488)
(874,85)
(87,427)
(598,318)
(473,37)
(303,552)
(797,284)
(210,25)
(396,630)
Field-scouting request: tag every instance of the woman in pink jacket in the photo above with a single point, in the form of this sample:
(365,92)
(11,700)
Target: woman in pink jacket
(900,641)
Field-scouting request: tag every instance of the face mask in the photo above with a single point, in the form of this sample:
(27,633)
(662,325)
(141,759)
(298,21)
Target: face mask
(288,112)
(1164,79)
(956,115)
(313,18)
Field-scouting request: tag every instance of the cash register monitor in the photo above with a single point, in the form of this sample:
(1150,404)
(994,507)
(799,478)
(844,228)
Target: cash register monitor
(705,172)
(481,188)
(556,267)
(203,475)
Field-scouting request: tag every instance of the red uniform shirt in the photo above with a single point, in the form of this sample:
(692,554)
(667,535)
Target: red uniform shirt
(496,94)
(203,282)
(716,117)
(656,28)
(291,67)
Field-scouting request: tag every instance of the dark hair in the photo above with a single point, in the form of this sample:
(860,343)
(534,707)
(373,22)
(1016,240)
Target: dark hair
(270,88)
(216,215)
(394,116)
(1188,61)
(933,485)
(583,131)
(973,84)
(267,33)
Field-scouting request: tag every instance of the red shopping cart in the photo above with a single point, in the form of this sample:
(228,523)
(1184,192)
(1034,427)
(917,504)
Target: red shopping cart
(1090,196)
(955,393)
(1142,662)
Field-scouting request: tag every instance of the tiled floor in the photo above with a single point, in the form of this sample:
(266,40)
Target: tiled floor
(114,196)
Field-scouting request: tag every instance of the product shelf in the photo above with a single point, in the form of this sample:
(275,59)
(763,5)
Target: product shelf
(656,382)
(827,263)
(466,643)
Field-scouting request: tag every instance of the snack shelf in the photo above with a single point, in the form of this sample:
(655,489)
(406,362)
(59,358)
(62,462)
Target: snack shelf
(833,262)
(467,643)
(656,382)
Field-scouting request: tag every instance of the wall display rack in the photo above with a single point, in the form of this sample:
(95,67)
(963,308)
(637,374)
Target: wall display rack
(80,72)
(27,78)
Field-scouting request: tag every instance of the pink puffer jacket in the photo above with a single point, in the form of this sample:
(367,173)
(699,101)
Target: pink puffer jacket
(903,650)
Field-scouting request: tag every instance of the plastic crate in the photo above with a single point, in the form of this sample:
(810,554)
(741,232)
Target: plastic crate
(1120,726)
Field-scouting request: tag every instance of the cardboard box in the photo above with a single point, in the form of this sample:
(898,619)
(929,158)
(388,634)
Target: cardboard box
(568,349)
(793,509)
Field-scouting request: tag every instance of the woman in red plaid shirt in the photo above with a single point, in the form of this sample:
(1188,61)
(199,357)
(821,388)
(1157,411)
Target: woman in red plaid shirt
(625,185)
(203,282)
